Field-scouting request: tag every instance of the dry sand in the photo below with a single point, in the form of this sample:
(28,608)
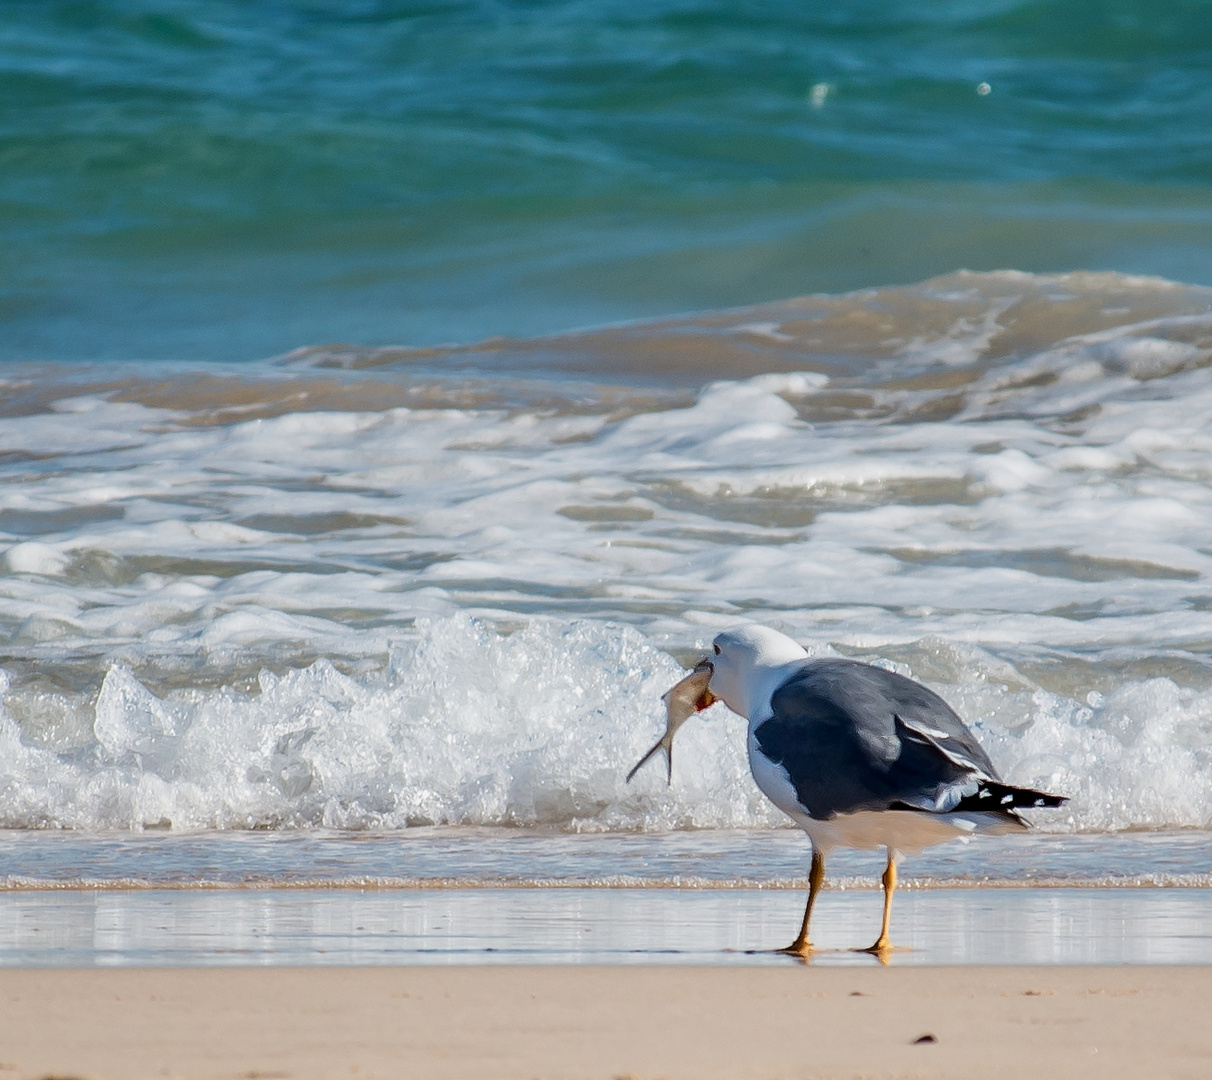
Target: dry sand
(606,1022)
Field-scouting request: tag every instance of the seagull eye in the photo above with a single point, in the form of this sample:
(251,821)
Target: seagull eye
(717,649)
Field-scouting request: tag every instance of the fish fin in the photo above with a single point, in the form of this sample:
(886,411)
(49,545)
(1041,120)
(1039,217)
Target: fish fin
(644,760)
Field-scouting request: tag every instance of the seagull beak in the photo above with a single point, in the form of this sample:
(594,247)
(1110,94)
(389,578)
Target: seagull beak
(706,698)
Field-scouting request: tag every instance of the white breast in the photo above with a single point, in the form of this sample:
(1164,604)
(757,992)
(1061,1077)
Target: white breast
(774,782)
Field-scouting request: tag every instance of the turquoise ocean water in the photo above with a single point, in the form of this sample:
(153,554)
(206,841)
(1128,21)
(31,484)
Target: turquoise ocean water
(221,181)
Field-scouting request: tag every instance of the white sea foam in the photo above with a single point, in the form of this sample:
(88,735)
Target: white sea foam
(237,618)
(465,726)
(538,727)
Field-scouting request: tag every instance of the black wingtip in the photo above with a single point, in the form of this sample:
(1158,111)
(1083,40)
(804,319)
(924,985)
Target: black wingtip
(994,797)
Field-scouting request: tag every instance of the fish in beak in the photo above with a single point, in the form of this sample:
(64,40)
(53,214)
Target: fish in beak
(682,701)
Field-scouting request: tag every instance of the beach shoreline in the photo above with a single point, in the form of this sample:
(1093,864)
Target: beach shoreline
(335,928)
(604,1022)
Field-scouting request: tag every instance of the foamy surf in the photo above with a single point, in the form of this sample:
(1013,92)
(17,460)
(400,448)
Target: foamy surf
(470,726)
(374,589)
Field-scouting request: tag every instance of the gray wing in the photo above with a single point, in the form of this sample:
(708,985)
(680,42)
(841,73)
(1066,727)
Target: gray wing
(856,737)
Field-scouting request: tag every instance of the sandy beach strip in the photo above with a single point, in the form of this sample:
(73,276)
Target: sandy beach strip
(686,1023)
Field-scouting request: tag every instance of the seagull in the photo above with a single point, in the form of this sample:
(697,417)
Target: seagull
(856,755)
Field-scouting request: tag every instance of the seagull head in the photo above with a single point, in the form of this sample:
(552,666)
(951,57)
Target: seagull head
(747,665)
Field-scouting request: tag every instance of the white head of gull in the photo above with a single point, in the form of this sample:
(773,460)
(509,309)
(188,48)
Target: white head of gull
(856,755)
(749,664)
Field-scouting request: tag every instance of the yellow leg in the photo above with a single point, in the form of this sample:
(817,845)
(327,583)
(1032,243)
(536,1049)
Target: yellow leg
(883,944)
(801,946)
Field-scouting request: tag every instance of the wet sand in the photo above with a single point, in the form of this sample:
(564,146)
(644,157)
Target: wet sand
(390,927)
(606,1022)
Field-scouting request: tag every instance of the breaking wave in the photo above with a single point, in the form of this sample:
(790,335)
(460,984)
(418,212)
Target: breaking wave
(470,726)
